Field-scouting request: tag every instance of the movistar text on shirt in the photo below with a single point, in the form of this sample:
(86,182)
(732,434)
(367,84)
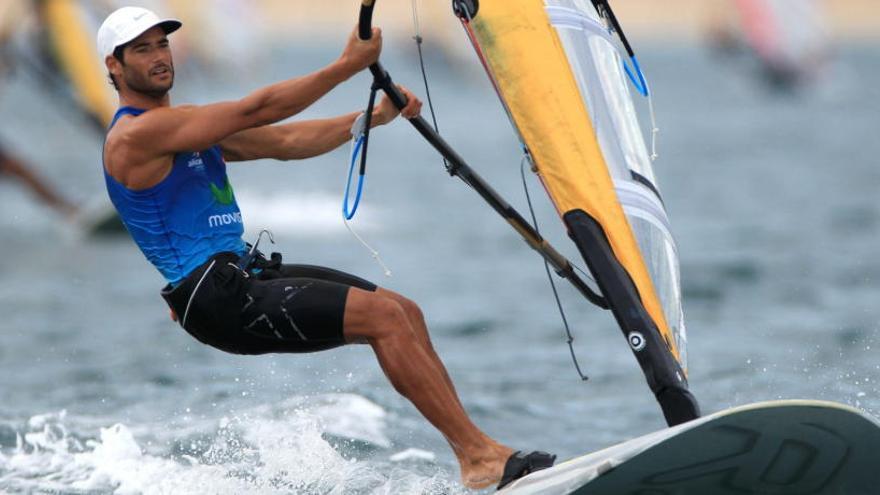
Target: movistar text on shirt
(225,219)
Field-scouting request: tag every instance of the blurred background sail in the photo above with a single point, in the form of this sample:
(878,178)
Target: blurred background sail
(789,39)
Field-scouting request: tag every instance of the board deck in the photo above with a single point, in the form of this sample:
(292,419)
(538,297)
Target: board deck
(774,448)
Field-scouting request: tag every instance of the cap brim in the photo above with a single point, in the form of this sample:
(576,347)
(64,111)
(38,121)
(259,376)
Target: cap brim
(170,25)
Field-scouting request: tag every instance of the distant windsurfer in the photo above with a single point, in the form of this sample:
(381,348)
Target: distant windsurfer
(789,38)
(166,174)
(13,166)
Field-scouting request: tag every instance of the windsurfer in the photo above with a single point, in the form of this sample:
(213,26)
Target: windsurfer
(180,208)
(12,166)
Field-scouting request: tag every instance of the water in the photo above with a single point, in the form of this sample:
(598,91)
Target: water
(772,199)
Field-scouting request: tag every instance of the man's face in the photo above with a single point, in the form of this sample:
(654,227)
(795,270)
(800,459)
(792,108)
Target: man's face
(148,66)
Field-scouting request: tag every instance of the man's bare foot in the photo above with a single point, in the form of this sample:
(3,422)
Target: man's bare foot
(502,471)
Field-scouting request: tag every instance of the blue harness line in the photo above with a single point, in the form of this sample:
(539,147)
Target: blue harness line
(641,84)
(361,131)
(349,214)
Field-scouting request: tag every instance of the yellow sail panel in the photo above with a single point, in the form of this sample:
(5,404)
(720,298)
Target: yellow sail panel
(74,49)
(530,68)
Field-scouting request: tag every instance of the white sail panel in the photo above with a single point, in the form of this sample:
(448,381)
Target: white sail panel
(598,68)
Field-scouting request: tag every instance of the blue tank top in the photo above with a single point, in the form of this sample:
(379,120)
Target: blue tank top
(188,217)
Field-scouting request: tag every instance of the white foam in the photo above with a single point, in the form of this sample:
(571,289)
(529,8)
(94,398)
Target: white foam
(350,416)
(413,454)
(270,449)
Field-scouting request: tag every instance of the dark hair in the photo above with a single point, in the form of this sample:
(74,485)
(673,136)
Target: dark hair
(118,54)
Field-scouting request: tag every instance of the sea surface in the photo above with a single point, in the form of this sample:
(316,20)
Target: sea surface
(773,198)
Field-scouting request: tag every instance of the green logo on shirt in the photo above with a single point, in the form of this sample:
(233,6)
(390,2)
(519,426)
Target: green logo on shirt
(223,196)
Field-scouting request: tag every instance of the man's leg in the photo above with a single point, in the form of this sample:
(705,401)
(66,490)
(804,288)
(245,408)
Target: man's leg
(417,321)
(417,373)
(16,168)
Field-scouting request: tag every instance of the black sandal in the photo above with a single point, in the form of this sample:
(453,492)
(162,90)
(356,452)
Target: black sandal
(519,465)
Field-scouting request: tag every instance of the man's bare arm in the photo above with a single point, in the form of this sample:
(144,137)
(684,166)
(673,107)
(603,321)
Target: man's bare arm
(309,138)
(169,130)
(294,141)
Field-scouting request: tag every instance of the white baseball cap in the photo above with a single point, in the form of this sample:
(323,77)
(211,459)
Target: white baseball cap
(128,23)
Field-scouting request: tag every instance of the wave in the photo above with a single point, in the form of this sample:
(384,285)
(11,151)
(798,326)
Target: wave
(329,444)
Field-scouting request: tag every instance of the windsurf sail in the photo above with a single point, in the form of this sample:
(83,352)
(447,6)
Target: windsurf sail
(561,80)
(789,37)
(70,42)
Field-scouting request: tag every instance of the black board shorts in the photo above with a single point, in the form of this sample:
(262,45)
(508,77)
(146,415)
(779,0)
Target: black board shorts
(266,308)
